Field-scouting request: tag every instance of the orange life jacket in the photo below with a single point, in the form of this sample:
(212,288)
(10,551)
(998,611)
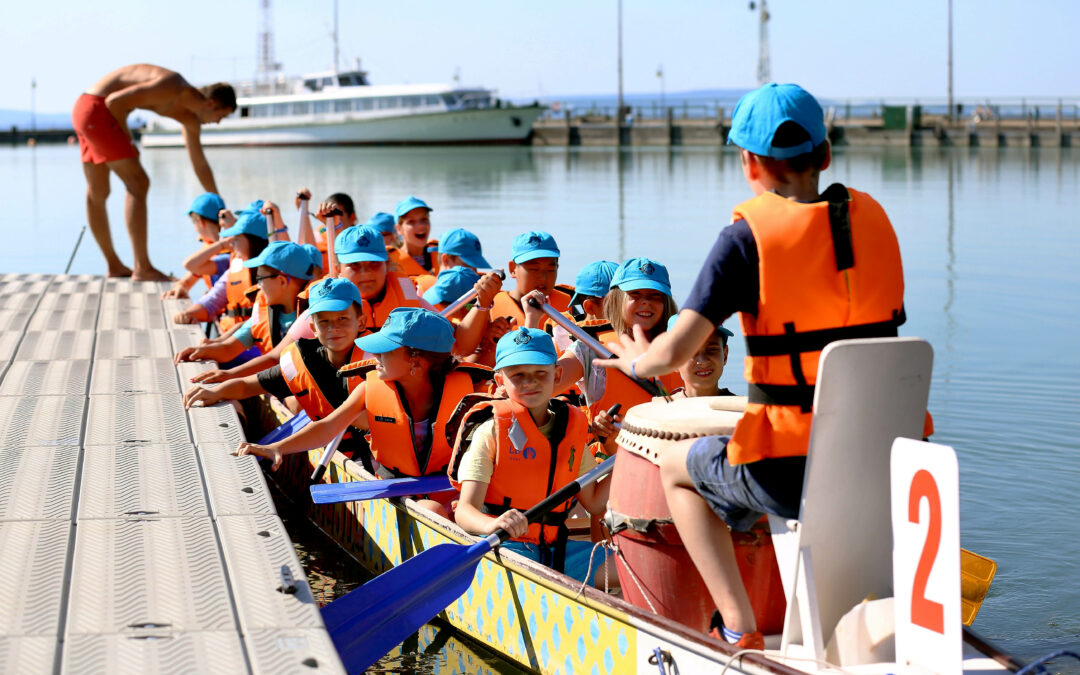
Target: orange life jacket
(523,476)
(392,440)
(506,306)
(303,385)
(237,303)
(403,263)
(828,271)
(264,329)
(424,282)
(398,291)
(206,277)
(619,388)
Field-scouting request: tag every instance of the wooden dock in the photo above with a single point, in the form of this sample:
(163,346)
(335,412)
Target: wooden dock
(131,540)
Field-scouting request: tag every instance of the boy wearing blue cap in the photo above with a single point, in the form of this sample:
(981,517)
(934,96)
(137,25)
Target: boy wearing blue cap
(228,301)
(453,282)
(283,270)
(591,286)
(511,453)
(534,265)
(416,255)
(308,368)
(802,268)
(204,218)
(404,402)
(457,248)
(384,223)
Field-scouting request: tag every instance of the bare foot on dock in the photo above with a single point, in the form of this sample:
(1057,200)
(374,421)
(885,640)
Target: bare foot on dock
(119,270)
(150,275)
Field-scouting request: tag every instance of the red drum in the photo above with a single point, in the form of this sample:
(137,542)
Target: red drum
(653,564)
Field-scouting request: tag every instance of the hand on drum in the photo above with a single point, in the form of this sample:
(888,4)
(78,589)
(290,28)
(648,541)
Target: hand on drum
(513,521)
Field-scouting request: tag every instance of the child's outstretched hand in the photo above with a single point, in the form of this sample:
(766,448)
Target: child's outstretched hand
(200,397)
(177,291)
(211,377)
(271,452)
(513,521)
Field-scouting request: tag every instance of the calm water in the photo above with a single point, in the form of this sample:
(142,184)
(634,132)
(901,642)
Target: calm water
(990,242)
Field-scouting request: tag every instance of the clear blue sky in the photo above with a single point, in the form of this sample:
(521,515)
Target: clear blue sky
(835,48)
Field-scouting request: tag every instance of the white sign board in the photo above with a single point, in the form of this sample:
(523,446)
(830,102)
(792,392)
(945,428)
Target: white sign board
(926,556)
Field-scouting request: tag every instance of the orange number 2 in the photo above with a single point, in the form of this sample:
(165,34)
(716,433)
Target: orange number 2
(926,612)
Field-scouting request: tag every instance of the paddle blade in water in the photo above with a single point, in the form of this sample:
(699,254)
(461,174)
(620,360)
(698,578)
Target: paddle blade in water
(378,489)
(288,428)
(371,620)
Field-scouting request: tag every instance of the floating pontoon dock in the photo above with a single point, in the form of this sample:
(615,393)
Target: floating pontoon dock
(131,540)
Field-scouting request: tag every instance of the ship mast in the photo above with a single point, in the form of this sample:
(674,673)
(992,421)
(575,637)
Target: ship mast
(764,71)
(337,52)
(264,55)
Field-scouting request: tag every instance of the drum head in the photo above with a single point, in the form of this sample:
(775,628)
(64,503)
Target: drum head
(647,429)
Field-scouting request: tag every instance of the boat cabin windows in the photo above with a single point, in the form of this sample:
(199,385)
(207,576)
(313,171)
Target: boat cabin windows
(343,105)
(431,100)
(300,108)
(320,107)
(365,104)
(387,102)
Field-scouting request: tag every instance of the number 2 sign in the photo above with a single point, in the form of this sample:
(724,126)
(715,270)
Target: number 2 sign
(926,556)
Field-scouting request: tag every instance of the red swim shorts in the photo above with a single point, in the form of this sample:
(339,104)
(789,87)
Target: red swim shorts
(101,138)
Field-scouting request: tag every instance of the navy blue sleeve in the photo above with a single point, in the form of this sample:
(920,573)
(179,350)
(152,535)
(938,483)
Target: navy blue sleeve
(728,280)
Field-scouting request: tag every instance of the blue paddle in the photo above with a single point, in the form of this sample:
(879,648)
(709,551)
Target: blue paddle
(371,620)
(360,490)
(287,428)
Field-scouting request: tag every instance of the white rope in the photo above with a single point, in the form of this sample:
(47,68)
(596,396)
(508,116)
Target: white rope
(633,577)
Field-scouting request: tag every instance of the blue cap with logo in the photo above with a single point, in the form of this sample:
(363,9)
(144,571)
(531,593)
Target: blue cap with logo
(382,222)
(360,243)
(314,253)
(594,280)
(410,327)
(207,205)
(286,257)
(759,113)
(531,245)
(641,273)
(249,222)
(465,245)
(525,347)
(451,284)
(723,332)
(408,204)
(333,295)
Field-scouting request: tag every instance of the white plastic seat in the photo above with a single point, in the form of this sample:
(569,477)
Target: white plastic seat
(839,552)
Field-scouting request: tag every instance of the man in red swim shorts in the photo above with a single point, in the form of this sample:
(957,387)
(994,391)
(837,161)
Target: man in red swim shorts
(100,122)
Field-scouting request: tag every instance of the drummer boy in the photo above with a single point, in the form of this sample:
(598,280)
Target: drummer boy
(503,464)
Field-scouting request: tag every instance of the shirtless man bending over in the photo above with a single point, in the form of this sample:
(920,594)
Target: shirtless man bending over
(100,122)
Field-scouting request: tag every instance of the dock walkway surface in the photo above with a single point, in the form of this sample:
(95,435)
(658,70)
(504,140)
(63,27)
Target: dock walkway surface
(131,540)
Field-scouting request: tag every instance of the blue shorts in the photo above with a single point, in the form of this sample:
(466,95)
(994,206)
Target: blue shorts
(577,557)
(741,493)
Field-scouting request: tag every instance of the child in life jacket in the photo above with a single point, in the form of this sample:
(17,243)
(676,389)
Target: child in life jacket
(534,265)
(453,283)
(701,373)
(308,368)
(333,226)
(242,238)
(787,263)
(404,402)
(640,297)
(591,286)
(417,255)
(511,453)
(457,248)
(204,218)
(283,270)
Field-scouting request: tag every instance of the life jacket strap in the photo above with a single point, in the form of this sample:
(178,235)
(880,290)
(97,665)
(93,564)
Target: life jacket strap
(801,395)
(816,340)
(243,312)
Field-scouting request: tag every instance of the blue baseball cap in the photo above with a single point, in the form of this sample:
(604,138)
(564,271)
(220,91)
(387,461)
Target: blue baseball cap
(465,245)
(410,327)
(408,204)
(382,222)
(724,332)
(315,254)
(639,273)
(360,243)
(249,222)
(759,113)
(285,257)
(594,279)
(451,284)
(207,205)
(253,207)
(525,347)
(531,245)
(333,295)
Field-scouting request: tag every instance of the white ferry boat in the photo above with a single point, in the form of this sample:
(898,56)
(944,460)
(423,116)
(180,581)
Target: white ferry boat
(343,108)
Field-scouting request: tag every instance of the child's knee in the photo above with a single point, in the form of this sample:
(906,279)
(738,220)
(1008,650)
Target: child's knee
(673,463)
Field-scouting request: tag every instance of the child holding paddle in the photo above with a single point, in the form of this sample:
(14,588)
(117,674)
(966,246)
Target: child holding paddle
(511,453)
(405,401)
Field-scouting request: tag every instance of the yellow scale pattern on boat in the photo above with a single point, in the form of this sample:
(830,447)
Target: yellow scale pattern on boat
(562,635)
